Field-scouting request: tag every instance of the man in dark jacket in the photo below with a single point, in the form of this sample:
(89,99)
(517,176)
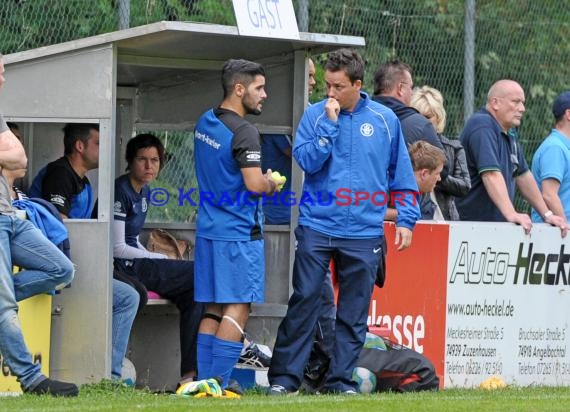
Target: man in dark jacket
(393,88)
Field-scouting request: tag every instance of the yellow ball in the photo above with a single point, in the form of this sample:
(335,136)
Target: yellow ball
(279,179)
(492,383)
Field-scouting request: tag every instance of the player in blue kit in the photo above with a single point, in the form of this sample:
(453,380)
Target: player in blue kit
(229,259)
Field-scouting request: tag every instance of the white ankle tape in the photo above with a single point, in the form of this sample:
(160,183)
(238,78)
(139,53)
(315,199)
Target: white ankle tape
(232,320)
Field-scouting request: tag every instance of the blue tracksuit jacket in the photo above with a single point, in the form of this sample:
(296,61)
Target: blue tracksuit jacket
(362,154)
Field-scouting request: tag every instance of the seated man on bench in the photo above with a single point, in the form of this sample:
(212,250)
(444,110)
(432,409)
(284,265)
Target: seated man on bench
(171,279)
(64,183)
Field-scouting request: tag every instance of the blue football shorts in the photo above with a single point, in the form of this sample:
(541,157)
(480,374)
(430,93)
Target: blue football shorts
(229,272)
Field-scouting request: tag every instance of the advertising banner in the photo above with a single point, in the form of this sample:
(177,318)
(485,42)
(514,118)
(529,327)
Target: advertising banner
(481,300)
(35,319)
(508,305)
(412,303)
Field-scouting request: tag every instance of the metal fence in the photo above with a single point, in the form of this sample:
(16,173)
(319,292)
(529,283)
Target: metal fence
(174,190)
(457,46)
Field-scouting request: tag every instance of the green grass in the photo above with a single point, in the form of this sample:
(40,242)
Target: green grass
(107,397)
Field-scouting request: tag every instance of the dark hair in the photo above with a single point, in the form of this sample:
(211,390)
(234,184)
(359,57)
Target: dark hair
(388,75)
(239,71)
(143,141)
(347,60)
(73,132)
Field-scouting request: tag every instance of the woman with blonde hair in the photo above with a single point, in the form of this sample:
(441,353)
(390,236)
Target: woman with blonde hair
(429,102)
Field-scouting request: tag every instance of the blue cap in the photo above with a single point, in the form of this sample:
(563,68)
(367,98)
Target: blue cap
(561,104)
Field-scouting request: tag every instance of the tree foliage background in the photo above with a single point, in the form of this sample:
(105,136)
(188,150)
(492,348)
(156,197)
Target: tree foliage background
(524,40)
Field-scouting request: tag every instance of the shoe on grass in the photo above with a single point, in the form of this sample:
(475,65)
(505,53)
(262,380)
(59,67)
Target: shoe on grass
(54,388)
(201,389)
(278,390)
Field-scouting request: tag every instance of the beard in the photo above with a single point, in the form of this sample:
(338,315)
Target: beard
(253,110)
(250,106)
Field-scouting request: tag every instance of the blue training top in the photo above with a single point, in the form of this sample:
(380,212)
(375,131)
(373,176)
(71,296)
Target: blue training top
(130,207)
(224,143)
(552,161)
(352,168)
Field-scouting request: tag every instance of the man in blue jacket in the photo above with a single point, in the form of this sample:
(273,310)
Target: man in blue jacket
(353,153)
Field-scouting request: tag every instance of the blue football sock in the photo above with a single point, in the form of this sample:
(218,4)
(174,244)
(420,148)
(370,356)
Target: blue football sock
(204,355)
(225,355)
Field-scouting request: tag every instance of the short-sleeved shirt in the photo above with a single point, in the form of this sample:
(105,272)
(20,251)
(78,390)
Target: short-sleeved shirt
(488,148)
(5,202)
(130,207)
(59,184)
(224,143)
(552,161)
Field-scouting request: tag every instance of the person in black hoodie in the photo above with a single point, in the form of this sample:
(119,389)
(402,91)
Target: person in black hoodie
(393,87)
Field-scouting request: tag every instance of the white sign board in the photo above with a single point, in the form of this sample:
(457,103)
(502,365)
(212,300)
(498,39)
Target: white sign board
(266,18)
(508,301)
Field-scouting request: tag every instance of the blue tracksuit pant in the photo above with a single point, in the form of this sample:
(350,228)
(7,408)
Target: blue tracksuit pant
(357,262)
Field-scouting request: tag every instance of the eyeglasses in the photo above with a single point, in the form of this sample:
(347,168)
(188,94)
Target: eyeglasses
(409,84)
(151,160)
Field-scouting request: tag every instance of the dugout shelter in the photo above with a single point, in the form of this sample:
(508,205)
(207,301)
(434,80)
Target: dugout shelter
(161,76)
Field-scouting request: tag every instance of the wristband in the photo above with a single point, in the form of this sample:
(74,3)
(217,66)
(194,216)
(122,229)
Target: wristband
(547,214)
